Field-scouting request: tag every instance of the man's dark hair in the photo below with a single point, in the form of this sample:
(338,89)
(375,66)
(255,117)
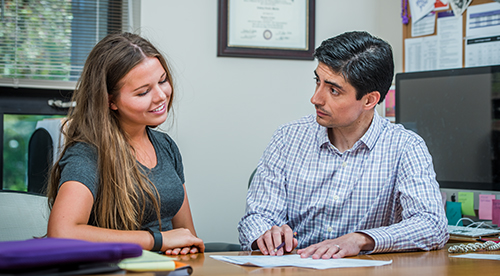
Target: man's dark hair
(363,60)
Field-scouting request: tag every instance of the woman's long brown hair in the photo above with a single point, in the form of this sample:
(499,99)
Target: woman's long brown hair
(123,187)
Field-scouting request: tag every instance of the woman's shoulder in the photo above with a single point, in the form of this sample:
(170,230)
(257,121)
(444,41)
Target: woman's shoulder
(80,150)
(163,140)
(158,134)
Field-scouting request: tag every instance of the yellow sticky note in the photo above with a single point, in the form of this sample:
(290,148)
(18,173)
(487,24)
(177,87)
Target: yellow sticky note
(149,261)
(467,200)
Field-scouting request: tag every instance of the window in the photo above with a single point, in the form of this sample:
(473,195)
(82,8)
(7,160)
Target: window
(26,157)
(45,43)
(43,47)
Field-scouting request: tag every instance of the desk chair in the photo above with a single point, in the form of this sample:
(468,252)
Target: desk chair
(22,215)
(251,177)
(40,152)
(223,246)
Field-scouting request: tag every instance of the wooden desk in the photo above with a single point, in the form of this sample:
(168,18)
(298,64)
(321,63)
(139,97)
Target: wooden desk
(412,263)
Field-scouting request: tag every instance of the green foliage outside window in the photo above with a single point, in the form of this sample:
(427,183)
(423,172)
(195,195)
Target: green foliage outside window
(17,133)
(35,39)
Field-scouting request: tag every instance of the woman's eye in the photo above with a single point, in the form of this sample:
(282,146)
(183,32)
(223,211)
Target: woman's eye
(143,93)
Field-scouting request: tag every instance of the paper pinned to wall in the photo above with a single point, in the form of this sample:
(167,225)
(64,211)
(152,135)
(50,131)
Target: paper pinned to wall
(483,35)
(425,26)
(460,6)
(483,20)
(420,8)
(441,5)
(421,53)
(449,32)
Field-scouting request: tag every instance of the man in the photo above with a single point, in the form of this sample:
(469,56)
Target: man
(345,180)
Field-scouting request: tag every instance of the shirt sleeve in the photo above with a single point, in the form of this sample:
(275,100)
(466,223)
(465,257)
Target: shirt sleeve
(177,158)
(424,223)
(266,198)
(79,163)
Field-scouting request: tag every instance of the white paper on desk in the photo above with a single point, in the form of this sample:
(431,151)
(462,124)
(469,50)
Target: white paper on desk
(297,261)
(478,256)
(420,8)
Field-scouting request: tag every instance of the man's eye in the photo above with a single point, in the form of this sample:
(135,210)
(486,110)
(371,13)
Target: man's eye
(316,79)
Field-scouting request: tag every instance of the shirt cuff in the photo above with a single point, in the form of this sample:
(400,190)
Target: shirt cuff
(249,231)
(383,240)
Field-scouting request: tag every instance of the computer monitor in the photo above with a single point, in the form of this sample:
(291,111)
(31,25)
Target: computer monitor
(457,113)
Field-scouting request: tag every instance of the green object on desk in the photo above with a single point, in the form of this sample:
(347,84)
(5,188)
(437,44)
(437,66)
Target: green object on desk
(454,212)
(149,261)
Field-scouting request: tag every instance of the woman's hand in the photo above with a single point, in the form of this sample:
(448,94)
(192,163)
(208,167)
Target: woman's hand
(182,251)
(181,241)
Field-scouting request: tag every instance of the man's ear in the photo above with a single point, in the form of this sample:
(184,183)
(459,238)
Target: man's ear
(371,99)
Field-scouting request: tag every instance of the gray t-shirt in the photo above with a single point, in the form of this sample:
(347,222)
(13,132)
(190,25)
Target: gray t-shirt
(79,163)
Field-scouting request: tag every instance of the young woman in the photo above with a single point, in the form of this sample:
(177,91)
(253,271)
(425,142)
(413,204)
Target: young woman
(117,178)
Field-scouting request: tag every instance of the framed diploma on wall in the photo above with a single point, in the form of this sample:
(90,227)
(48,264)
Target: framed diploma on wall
(266,29)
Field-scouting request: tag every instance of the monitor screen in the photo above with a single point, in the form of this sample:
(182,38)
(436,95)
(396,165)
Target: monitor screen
(455,111)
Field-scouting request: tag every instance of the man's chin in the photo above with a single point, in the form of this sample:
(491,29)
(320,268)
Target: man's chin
(321,121)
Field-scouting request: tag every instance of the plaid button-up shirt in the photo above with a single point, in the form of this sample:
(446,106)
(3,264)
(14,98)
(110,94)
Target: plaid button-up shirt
(384,186)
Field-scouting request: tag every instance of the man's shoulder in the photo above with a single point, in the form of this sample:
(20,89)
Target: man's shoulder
(397,132)
(304,123)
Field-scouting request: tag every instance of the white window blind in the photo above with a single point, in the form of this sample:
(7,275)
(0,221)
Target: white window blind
(45,43)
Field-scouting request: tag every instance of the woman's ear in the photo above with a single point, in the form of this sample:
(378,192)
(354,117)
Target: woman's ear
(112,106)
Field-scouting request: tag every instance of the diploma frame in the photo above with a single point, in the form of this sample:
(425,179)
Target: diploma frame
(225,50)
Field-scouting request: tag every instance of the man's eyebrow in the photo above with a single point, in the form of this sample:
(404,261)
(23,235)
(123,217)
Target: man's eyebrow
(329,82)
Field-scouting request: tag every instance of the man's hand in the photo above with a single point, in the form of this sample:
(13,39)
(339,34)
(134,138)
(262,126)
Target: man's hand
(347,245)
(273,237)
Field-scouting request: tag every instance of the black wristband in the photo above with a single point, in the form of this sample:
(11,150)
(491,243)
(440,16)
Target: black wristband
(158,239)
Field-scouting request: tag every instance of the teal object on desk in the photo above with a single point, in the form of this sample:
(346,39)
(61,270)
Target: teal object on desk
(454,213)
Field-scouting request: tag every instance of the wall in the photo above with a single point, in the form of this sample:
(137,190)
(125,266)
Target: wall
(226,109)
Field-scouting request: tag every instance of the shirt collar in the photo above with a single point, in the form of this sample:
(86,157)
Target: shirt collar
(369,138)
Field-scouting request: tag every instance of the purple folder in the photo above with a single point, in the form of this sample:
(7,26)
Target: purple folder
(53,252)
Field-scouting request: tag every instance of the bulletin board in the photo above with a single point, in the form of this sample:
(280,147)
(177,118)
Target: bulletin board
(407,30)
